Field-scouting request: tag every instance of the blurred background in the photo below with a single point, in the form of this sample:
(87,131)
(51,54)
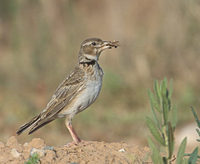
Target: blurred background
(39,43)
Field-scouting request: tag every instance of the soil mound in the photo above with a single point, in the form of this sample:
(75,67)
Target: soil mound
(88,152)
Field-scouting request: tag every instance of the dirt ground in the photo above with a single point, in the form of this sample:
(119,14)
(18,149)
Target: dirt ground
(88,152)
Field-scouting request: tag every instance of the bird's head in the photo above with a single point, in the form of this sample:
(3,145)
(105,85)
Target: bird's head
(92,48)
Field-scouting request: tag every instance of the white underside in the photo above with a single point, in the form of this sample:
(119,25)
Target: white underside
(85,98)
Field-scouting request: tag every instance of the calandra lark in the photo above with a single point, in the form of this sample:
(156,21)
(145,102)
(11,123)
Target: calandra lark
(78,91)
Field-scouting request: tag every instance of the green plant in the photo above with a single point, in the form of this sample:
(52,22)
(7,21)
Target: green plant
(162,124)
(198,123)
(33,159)
(193,157)
(181,151)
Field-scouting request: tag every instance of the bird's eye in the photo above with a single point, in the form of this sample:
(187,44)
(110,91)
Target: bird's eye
(94,43)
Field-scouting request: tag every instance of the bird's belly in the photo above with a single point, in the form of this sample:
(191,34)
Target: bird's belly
(90,94)
(85,98)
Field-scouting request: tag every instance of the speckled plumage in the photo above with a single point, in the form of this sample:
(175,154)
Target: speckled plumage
(79,90)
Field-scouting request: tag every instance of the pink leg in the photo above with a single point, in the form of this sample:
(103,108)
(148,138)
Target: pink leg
(75,137)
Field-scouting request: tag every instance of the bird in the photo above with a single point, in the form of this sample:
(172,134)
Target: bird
(77,91)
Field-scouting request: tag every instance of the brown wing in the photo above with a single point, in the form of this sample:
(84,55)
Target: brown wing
(63,95)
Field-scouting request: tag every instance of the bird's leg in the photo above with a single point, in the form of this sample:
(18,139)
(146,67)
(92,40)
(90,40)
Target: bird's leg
(75,137)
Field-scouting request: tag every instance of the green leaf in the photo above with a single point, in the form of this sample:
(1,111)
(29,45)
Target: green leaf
(152,108)
(157,92)
(155,156)
(164,86)
(165,160)
(196,117)
(170,88)
(170,140)
(165,101)
(181,151)
(185,161)
(168,100)
(173,117)
(154,130)
(193,156)
(165,110)
(154,101)
(198,132)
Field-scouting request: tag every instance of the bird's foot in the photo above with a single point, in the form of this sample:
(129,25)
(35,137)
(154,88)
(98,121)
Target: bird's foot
(70,144)
(81,142)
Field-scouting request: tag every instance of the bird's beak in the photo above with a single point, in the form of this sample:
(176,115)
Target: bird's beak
(109,45)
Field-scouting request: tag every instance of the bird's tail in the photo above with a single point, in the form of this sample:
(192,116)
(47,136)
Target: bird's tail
(27,125)
(36,123)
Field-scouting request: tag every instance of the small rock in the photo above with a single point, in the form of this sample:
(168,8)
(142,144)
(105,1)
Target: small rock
(48,148)
(37,143)
(25,144)
(122,150)
(40,152)
(15,153)
(12,142)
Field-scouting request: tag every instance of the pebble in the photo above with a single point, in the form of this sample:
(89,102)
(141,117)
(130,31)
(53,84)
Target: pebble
(15,153)
(48,148)
(122,150)
(40,152)
(25,144)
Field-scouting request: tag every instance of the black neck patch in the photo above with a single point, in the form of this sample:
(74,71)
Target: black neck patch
(91,62)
